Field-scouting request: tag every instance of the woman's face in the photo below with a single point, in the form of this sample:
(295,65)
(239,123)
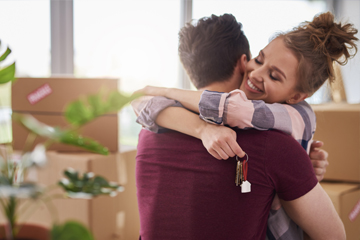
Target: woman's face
(271,76)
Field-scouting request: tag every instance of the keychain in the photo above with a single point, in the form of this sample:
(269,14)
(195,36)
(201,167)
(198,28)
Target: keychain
(241,175)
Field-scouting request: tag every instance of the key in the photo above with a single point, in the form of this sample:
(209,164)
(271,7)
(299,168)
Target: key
(241,173)
(238,173)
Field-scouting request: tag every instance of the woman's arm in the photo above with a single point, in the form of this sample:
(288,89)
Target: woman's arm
(147,109)
(235,110)
(220,141)
(158,113)
(188,98)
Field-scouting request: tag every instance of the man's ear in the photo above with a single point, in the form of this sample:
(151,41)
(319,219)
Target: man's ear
(242,63)
(297,97)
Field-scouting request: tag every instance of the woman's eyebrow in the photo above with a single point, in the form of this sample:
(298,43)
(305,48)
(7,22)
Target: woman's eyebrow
(273,67)
(262,53)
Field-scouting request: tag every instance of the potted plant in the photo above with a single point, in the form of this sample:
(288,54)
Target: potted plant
(13,168)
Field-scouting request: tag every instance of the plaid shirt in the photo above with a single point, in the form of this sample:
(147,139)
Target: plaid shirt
(235,110)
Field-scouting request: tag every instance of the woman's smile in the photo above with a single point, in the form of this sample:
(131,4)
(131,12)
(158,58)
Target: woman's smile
(252,87)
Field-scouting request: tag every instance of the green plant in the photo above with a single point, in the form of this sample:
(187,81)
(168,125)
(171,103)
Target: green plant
(13,170)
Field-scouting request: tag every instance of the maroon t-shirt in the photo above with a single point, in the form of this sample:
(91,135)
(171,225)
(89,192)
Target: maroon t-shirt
(185,193)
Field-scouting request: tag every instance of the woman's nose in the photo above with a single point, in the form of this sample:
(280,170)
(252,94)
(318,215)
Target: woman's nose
(257,75)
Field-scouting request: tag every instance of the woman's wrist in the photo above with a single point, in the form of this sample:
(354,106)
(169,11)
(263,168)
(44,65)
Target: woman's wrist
(200,129)
(168,92)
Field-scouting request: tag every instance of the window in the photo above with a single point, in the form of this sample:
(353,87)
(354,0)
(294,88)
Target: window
(135,41)
(27,33)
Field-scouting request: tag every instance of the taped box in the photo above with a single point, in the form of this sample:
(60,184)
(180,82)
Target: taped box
(46,99)
(346,200)
(103,215)
(338,126)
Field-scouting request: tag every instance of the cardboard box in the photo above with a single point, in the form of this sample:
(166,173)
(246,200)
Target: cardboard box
(346,199)
(103,215)
(338,126)
(128,200)
(46,98)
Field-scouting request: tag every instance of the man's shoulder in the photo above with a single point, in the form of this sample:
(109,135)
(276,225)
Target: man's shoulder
(273,140)
(271,133)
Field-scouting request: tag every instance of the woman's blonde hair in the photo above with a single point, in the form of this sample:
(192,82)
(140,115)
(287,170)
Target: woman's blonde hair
(317,45)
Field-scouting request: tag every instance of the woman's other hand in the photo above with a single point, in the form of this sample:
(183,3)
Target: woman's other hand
(318,159)
(220,142)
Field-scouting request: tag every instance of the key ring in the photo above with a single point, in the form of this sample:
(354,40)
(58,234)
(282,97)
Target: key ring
(247,158)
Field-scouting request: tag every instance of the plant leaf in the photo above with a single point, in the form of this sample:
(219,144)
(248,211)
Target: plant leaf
(5,54)
(71,174)
(7,74)
(117,101)
(86,109)
(39,128)
(75,139)
(70,230)
(24,190)
(88,186)
(58,135)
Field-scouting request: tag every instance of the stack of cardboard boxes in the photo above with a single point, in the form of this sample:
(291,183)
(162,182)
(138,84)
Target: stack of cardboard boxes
(45,99)
(338,126)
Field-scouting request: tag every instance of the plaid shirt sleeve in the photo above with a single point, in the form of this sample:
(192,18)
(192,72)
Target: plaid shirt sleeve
(148,108)
(235,110)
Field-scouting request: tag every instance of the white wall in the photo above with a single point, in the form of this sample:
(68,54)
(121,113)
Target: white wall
(349,10)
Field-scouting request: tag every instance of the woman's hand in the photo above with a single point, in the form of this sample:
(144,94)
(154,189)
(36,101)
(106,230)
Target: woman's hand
(153,91)
(319,159)
(220,141)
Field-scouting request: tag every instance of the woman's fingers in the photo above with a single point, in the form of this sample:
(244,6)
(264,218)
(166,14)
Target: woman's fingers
(229,149)
(236,149)
(215,154)
(224,155)
(226,150)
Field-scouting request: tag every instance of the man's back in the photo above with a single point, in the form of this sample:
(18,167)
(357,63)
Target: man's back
(185,193)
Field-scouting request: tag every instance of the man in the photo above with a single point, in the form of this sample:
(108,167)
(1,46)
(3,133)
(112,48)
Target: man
(210,53)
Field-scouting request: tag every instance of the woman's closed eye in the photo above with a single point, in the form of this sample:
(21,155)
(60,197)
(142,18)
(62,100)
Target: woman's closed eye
(257,61)
(273,78)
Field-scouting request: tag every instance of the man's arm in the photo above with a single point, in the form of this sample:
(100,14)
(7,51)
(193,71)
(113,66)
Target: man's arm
(316,215)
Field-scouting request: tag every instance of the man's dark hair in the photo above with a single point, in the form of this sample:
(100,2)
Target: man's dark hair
(210,49)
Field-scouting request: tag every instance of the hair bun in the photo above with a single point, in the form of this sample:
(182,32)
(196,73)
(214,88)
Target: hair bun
(334,40)
(317,45)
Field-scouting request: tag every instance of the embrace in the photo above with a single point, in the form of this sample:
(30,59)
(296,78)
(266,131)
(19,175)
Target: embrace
(251,112)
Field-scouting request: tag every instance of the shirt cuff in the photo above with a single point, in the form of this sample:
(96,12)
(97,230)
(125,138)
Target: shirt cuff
(149,113)
(211,106)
